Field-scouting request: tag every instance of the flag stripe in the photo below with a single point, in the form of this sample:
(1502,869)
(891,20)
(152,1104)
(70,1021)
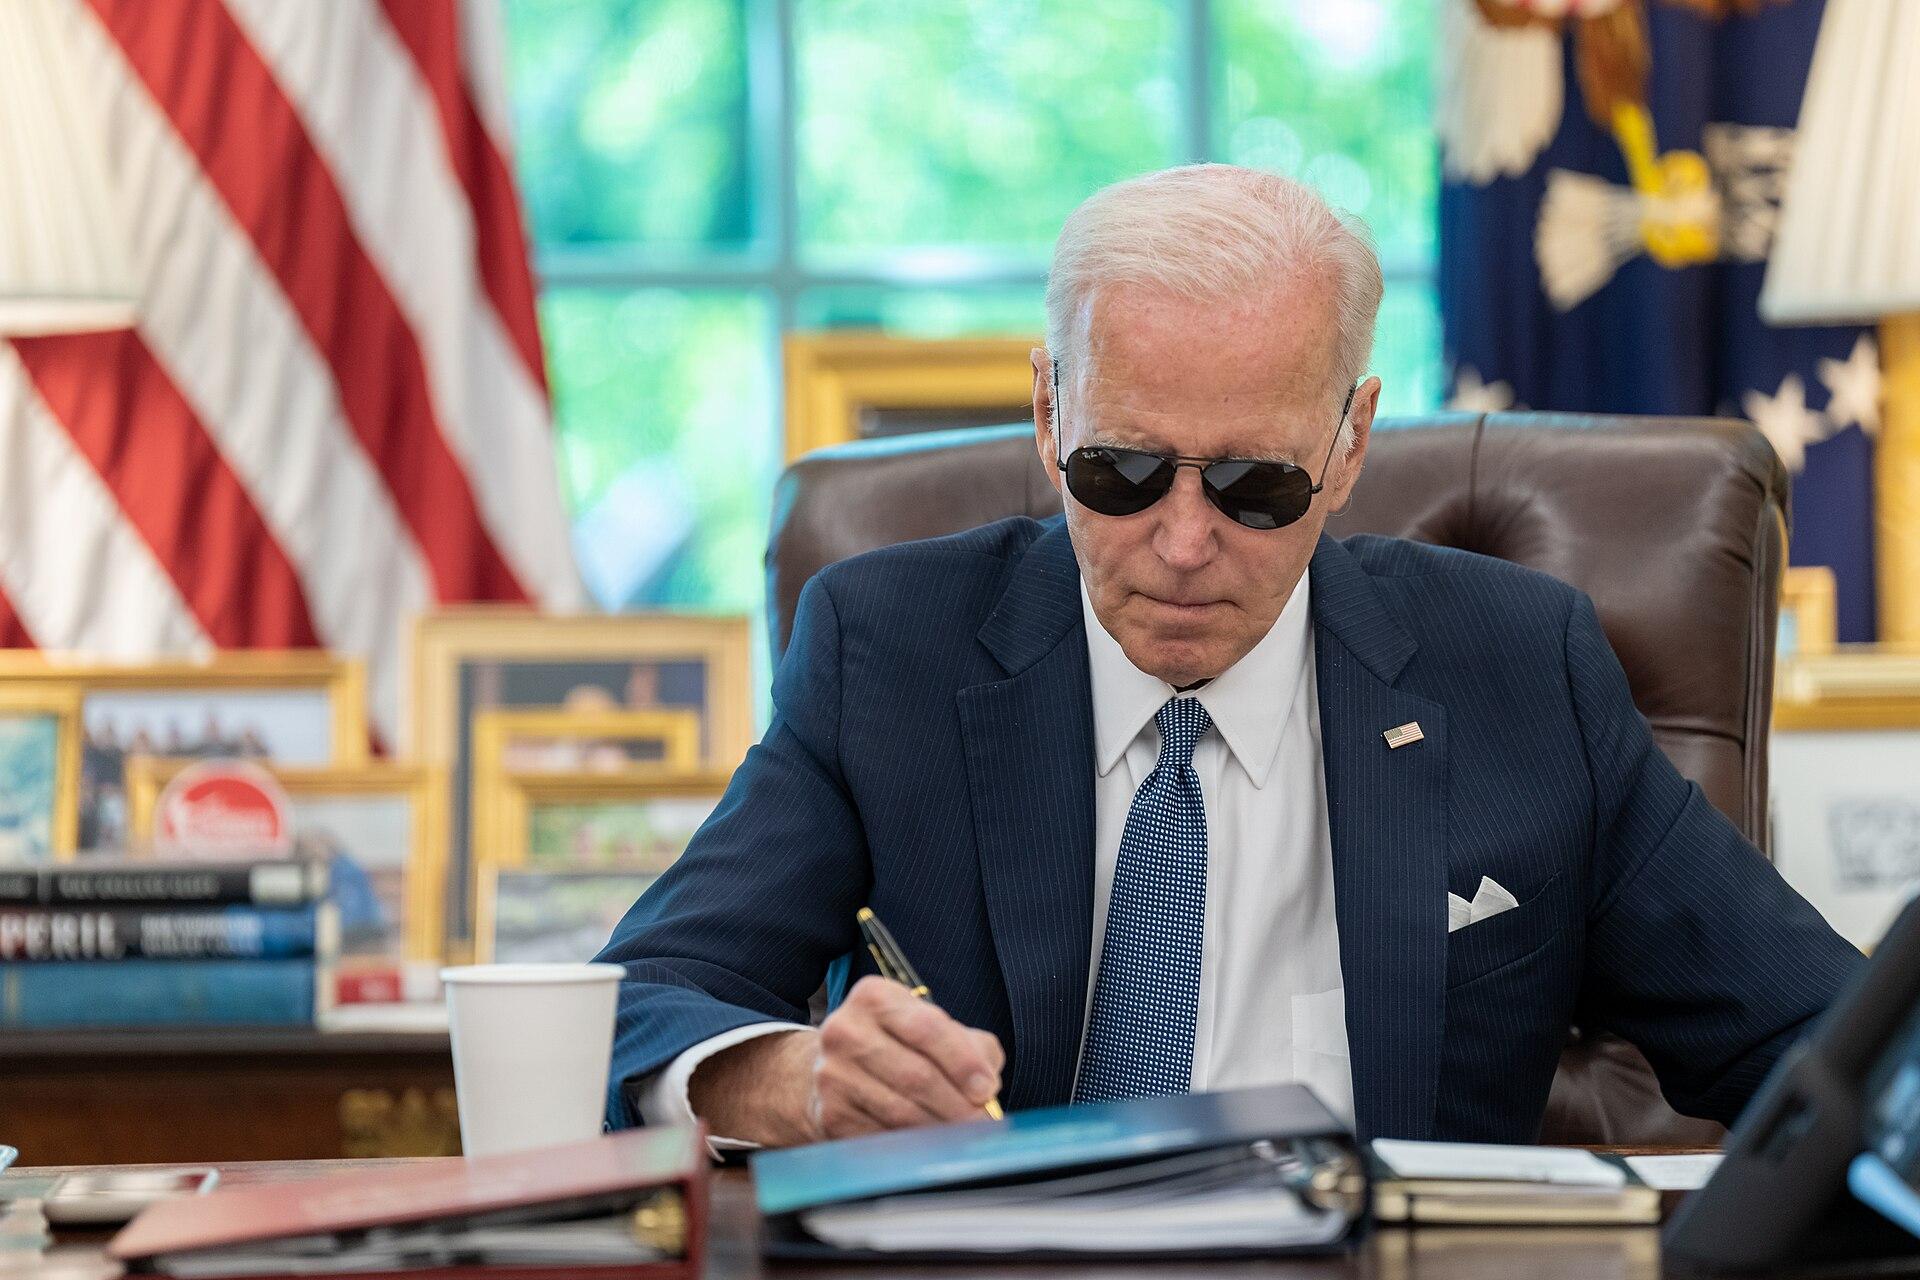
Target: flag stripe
(82,580)
(483,62)
(429,30)
(13,632)
(226,105)
(370,118)
(215,317)
(129,420)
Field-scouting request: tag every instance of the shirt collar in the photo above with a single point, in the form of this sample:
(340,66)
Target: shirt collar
(1249,702)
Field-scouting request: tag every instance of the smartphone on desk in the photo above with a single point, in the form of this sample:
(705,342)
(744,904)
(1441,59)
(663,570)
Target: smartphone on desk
(117,1195)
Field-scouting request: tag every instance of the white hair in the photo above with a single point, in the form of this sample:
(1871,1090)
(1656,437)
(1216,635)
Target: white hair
(1212,232)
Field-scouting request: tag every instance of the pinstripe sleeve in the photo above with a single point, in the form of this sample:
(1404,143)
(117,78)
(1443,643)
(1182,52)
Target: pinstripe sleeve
(741,929)
(1697,951)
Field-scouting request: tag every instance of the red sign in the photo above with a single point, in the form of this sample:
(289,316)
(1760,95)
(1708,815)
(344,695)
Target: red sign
(223,809)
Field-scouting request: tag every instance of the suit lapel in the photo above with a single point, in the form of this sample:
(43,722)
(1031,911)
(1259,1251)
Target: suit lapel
(1387,811)
(1029,754)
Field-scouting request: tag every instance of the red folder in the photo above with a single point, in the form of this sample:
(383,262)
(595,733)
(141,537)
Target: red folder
(599,1176)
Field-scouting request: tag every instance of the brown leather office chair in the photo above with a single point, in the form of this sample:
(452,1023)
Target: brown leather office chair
(1675,527)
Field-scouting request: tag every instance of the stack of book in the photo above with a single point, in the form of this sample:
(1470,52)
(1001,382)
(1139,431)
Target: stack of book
(157,944)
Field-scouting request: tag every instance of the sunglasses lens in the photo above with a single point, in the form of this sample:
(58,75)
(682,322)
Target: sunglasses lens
(1117,482)
(1121,482)
(1259,495)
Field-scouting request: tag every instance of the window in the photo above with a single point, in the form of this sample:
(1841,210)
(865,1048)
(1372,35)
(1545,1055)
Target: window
(703,175)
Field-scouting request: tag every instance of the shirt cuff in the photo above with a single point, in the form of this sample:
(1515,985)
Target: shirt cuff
(663,1095)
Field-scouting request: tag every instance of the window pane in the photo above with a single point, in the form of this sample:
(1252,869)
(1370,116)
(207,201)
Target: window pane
(927,313)
(1406,348)
(664,407)
(976,124)
(630,121)
(1339,94)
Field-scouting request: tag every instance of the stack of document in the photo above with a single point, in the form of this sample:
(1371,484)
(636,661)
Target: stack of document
(630,1205)
(609,1241)
(1484,1183)
(1244,1199)
(1249,1171)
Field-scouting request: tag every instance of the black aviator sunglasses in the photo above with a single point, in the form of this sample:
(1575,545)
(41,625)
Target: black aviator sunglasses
(1258,494)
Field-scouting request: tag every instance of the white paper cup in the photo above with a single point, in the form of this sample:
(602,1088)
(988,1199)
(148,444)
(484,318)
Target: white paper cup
(532,1046)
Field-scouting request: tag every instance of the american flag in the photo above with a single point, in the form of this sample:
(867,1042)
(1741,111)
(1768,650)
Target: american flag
(332,413)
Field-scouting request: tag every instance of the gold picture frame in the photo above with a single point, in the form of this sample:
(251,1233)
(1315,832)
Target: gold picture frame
(1845,752)
(1809,611)
(675,729)
(61,704)
(342,681)
(148,776)
(1855,687)
(521,796)
(447,644)
(833,378)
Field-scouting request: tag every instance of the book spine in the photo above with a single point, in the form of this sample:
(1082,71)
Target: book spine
(157,993)
(263,884)
(41,934)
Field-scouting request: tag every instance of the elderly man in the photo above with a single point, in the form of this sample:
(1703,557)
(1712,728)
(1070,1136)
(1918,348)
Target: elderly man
(1174,793)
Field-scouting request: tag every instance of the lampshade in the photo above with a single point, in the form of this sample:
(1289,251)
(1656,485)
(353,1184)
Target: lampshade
(1848,244)
(65,264)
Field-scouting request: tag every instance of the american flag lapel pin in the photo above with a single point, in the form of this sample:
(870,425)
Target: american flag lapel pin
(1400,735)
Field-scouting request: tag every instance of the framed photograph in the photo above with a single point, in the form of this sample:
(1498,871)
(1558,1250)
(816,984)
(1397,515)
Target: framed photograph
(531,915)
(479,658)
(605,745)
(368,821)
(854,386)
(639,821)
(574,851)
(1845,770)
(39,772)
(1809,613)
(288,708)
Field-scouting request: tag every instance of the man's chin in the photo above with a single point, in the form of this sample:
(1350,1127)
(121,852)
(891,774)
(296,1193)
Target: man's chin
(1179,664)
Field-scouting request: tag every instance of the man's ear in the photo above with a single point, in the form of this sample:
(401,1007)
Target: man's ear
(1043,415)
(1346,466)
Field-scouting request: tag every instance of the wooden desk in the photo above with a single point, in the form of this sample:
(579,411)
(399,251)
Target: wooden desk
(214,1096)
(1614,1253)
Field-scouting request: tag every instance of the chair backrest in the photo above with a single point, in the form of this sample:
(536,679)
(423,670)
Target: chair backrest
(1676,527)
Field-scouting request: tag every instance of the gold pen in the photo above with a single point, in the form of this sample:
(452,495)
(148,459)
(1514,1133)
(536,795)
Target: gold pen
(895,967)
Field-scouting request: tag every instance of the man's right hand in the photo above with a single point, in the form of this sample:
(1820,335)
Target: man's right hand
(884,1059)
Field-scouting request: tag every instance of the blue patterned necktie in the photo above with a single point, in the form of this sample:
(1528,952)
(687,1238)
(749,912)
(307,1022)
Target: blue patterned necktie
(1147,992)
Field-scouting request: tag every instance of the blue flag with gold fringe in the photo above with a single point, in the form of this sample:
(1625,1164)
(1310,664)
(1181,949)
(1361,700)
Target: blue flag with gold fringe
(1612,176)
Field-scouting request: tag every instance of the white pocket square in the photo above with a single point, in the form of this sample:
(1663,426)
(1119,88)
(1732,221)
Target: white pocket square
(1489,900)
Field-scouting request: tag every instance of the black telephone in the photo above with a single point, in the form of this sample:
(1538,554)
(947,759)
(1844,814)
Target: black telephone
(1780,1197)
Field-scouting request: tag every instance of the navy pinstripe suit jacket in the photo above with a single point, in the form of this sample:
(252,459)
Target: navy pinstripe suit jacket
(931,754)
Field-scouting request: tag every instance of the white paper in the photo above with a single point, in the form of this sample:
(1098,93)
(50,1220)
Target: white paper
(1560,1166)
(1677,1172)
(1204,1199)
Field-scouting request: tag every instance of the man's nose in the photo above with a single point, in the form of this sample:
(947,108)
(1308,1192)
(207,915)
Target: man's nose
(1184,538)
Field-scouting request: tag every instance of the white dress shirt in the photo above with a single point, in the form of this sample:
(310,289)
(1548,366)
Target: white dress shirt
(1272,1003)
